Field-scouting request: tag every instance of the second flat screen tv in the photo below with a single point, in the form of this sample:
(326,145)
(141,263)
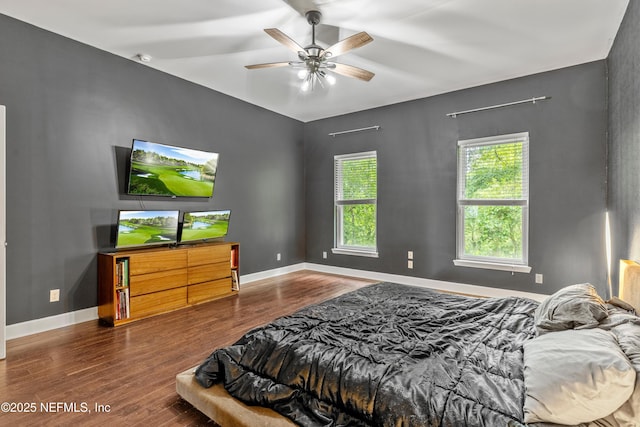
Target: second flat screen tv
(142,228)
(167,170)
(202,226)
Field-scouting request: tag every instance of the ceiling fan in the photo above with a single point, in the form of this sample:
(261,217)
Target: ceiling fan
(315,61)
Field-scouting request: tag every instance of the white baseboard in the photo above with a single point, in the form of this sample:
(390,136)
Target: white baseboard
(31,327)
(247,279)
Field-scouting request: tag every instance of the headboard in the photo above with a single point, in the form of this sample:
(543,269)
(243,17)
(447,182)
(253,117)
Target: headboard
(629,284)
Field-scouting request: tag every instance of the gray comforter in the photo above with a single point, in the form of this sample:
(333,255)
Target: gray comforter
(385,355)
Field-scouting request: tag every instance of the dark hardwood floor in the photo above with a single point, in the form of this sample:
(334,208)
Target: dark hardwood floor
(88,374)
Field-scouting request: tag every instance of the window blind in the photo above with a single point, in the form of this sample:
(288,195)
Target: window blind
(356,178)
(496,171)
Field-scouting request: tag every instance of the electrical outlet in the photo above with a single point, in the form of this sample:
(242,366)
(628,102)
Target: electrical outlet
(54,295)
(409,254)
(410,263)
(539,278)
(278,256)
(324,254)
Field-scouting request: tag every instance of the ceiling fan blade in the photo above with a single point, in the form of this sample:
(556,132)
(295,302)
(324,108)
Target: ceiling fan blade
(284,39)
(351,71)
(345,45)
(267,65)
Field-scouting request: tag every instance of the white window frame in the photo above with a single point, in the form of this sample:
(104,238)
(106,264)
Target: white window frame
(339,246)
(494,263)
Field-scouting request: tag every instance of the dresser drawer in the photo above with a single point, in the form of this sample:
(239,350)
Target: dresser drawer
(158,302)
(209,254)
(154,282)
(208,272)
(208,290)
(143,263)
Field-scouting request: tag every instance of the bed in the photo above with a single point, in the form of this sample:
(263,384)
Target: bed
(391,354)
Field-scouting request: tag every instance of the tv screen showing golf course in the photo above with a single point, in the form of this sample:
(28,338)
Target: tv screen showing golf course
(166,170)
(141,228)
(207,225)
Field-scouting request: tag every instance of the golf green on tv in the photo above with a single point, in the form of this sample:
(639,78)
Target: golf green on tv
(142,228)
(166,170)
(202,226)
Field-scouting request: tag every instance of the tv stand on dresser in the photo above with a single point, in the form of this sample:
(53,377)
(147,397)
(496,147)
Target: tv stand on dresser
(136,284)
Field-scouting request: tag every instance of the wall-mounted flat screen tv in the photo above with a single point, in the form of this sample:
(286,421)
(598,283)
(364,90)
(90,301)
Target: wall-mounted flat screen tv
(166,170)
(208,225)
(142,228)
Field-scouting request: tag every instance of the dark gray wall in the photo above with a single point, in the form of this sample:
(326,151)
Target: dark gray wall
(72,111)
(417,178)
(624,140)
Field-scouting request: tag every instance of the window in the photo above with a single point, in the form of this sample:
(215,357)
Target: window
(355,198)
(493,202)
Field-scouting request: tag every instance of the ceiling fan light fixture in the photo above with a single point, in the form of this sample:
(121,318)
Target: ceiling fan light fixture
(312,77)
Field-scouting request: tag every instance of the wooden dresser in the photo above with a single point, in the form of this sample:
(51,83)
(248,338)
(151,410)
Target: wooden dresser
(135,284)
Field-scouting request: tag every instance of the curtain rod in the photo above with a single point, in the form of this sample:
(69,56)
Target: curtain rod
(491,107)
(333,134)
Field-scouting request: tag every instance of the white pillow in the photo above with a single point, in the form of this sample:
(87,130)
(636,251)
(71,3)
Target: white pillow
(575,376)
(573,307)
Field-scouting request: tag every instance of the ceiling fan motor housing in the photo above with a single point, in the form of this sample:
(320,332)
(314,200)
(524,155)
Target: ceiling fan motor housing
(313,51)
(313,17)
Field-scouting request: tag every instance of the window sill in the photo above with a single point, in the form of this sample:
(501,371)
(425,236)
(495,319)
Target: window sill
(514,268)
(356,252)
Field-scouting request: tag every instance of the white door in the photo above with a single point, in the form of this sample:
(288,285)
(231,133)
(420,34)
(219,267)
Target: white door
(3,234)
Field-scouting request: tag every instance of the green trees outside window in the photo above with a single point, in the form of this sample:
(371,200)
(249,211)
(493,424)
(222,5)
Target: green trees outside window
(493,231)
(356,182)
(493,183)
(359,225)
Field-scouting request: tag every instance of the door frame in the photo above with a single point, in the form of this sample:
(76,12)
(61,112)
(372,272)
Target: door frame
(3,233)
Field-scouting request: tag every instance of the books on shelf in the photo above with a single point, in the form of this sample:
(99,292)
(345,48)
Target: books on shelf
(122,289)
(235,281)
(122,304)
(122,272)
(235,254)
(234,257)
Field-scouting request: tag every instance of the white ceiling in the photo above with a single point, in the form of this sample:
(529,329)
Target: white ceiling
(420,48)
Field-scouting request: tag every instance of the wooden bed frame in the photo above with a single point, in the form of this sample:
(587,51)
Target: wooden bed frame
(222,408)
(629,283)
